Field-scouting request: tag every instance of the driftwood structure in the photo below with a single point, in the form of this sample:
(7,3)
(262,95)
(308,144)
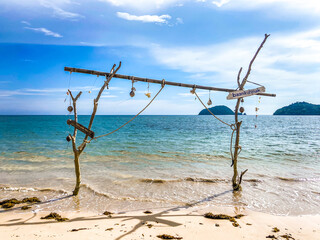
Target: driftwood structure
(238,94)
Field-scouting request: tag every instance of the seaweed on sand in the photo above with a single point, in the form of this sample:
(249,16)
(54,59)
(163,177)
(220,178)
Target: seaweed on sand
(167,236)
(225,217)
(9,203)
(55,216)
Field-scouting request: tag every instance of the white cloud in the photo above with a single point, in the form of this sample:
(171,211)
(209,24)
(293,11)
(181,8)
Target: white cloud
(26,23)
(45,31)
(220,3)
(145,4)
(284,6)
(59,12)
(144,18)
(288,64)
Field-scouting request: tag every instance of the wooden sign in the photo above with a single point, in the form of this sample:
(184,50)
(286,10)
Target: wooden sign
(245,93)
(81,128)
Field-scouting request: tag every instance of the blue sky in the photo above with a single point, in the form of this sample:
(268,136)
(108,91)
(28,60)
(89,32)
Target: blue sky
(193,41)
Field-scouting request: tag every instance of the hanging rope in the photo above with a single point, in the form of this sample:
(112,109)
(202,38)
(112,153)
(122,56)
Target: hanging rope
(104,135)
(232,126)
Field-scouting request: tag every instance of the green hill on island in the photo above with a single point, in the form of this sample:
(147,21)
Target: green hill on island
(299,108)
(217,110)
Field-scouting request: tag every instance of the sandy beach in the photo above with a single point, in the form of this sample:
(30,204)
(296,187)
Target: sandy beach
(182,223)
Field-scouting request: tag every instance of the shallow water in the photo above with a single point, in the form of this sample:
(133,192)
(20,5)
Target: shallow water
(164,161)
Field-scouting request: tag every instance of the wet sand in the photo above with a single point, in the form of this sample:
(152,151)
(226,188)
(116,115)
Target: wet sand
(186,223)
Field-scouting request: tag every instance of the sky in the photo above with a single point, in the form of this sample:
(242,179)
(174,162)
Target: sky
(202,42)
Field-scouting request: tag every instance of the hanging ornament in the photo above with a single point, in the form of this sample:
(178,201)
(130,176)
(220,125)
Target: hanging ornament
(67,93)
(148,94)
(70,108)
(89,91)
(133,89)
(241,109)
(242,100)
(209,101)
(68,138)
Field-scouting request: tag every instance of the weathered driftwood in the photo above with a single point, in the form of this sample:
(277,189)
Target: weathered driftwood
(78,150)
(149,80)
(236,180)
(80,128)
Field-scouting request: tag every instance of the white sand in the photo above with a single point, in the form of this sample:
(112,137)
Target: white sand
(186,223)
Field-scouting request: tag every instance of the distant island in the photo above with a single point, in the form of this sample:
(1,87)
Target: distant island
(299,108)
(218,110)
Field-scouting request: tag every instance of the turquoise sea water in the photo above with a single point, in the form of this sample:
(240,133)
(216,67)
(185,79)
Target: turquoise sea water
(163,161)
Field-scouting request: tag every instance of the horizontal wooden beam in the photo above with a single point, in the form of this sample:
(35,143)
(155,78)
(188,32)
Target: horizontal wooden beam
(149,80)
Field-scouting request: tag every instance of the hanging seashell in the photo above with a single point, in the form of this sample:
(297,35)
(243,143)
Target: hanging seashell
(257,109)
(148,94)
(242,100)
(192,91)
(132,93)
(68,138)
(67,93)
(70,108)
(241,109)
(89,92)
(209,102)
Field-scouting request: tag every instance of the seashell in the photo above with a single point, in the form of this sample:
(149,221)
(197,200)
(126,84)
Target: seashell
(241,109)
(89,92)
(148,94)
(209,102)
(257,109)
(132,93)
(67,93)
(68,138)
(242,100)
(70,108)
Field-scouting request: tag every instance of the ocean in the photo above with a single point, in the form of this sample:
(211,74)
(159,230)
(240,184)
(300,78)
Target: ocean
(163,161)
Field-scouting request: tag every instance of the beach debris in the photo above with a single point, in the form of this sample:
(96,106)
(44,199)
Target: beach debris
(271,236)
(109,229)
(287,236)
(167,236)
(107,213)
(30,200)
(78,229)
(275,229)
(149,225)
(217,225)
(225,217)
(249,224)
(9,203)
(147,212)
(25,208)
(55,216)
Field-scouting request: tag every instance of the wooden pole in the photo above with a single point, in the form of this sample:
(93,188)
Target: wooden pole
(149,80)
(236,180)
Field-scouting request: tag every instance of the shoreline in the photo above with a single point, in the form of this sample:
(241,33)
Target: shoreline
(185,222)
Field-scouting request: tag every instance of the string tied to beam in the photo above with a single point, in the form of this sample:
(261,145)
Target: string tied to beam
(104,135)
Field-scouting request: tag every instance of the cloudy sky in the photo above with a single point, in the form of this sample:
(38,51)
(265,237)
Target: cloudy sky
(201,42)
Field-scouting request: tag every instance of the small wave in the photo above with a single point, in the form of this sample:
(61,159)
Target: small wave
(188,179)
(110,196)
(299,179)
(25,189)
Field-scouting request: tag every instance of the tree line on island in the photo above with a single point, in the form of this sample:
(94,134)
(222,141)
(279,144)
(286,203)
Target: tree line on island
(298,108)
